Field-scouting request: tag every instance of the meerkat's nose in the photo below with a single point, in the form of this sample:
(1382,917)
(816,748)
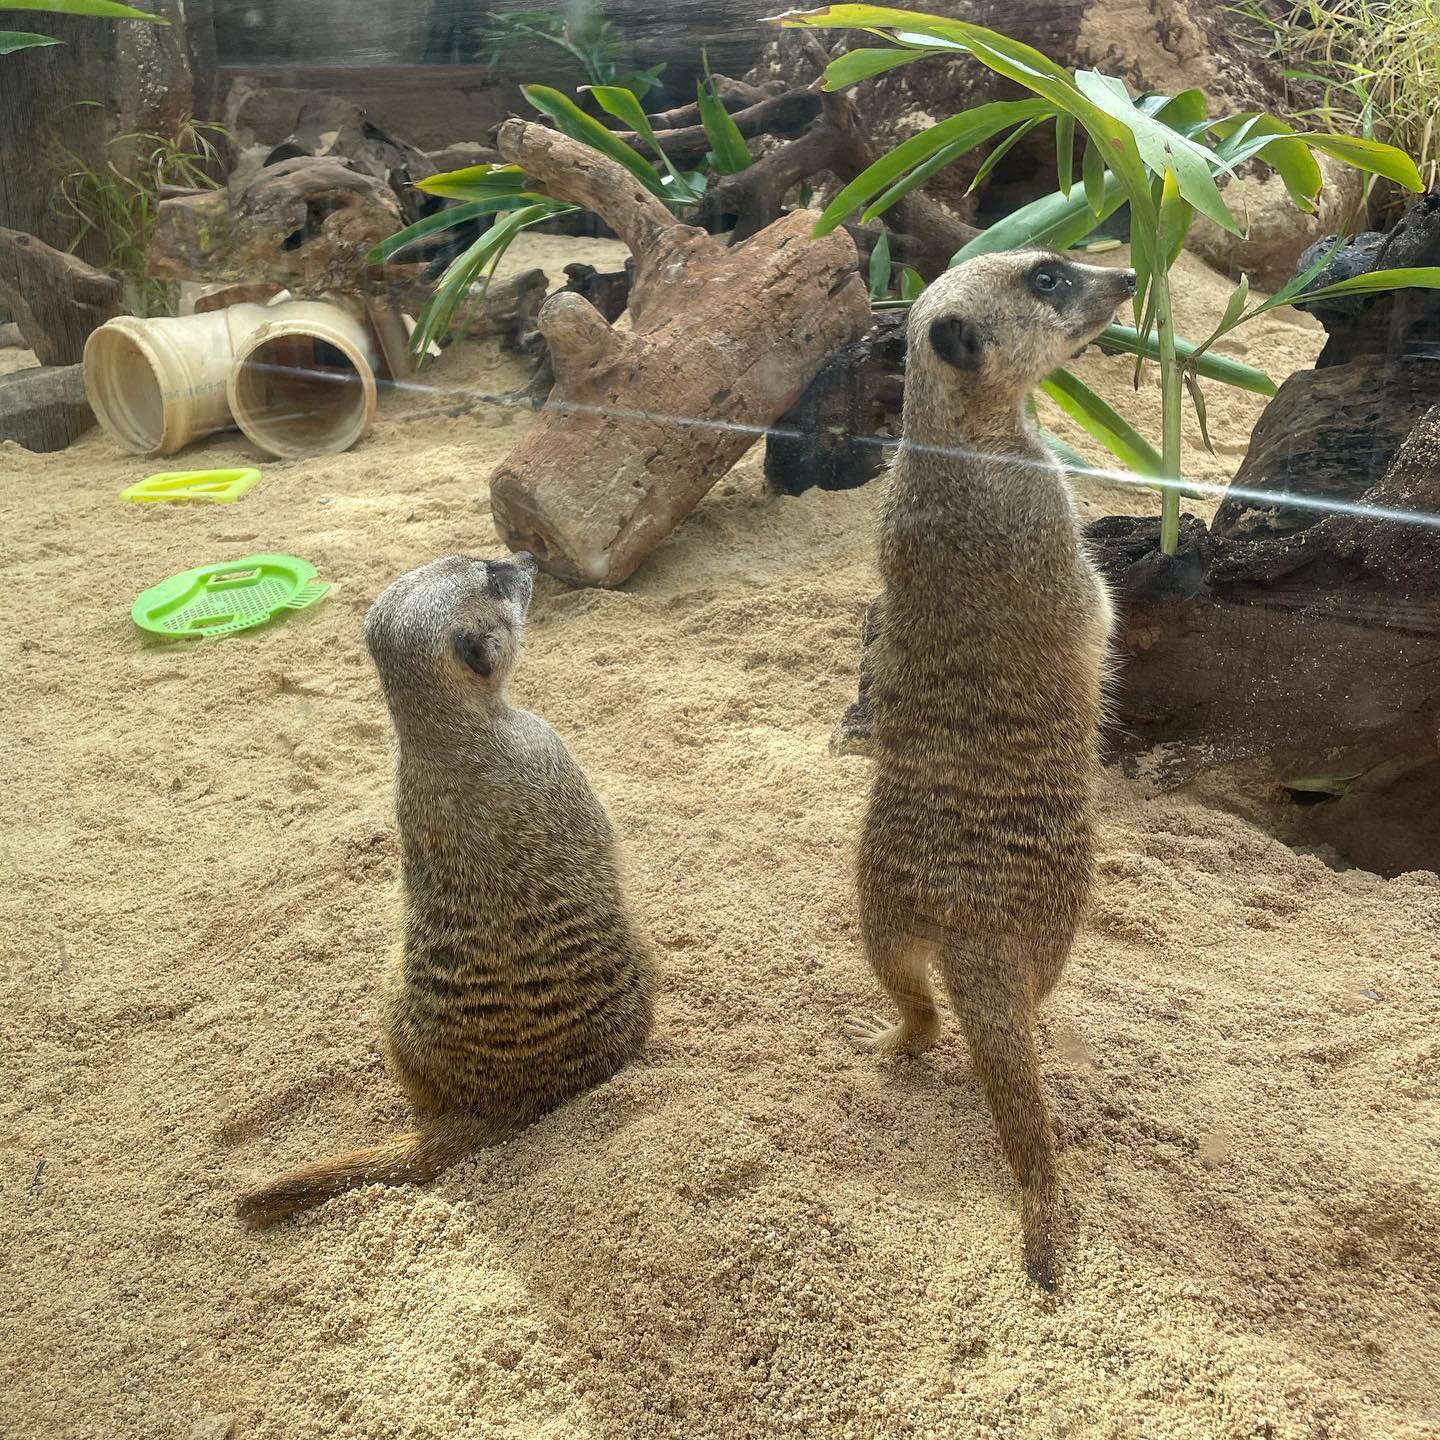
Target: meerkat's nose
(526,561)
(1128,276)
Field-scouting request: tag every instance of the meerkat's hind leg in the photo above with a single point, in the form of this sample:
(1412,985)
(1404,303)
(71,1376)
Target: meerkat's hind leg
(901,962)
(998,1021)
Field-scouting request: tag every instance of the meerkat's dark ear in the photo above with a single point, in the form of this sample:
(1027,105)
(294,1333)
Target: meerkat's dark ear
(479,649)
(956,341)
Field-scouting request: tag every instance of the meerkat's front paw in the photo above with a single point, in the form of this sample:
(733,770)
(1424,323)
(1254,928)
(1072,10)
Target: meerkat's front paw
(872,1033)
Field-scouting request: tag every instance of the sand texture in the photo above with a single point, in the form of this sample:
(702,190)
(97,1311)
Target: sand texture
(759,1231)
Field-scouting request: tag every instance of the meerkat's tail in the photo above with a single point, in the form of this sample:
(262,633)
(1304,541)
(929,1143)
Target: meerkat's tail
(413,1158)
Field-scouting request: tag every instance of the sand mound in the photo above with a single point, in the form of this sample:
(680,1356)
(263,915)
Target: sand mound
(758,1232)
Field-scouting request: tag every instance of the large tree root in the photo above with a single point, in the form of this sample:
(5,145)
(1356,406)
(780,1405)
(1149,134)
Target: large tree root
(640,424)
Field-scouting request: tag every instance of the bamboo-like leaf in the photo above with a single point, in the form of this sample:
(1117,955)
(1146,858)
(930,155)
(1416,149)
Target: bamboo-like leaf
(1197,399)
(1175,217)
(447,220)
(454,285)
(880,266)
(1188,112)
(1244,137)
(1163,148)
(625,106)
(1102,422)
(1234,308)
(1377,282)
(1065,152)
(12,40)
(1053,222)
(1092,169)
(727,144)
(571,120)
(1369,155)
(915,178)
(912,283)
(859,65)
(474,182)
(998,153)
(100,9)
(892,173)
(1213,367)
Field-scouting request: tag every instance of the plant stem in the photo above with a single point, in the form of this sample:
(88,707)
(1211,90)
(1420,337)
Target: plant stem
(1171,413)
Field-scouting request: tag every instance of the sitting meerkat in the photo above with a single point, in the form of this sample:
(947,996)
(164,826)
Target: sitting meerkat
(522,979)
(984,673)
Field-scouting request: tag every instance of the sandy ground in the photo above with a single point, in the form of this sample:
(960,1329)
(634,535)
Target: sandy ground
(758,1232)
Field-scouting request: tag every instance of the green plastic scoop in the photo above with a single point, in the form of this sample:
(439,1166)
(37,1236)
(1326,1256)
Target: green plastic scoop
(226,598)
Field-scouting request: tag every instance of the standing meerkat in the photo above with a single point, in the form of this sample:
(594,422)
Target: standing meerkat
(985,669)
(522,979)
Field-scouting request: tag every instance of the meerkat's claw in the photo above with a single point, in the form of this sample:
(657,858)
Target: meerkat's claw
(872,1033)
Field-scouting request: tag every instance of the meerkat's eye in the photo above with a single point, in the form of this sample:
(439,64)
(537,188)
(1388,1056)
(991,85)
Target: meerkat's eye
(1045,281)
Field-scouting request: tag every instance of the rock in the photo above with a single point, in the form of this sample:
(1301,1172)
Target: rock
(44,408)
(1277,231)
(1327,437)
(213,1427)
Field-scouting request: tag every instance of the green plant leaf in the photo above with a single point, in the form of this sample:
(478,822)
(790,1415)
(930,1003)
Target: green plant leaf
(12,40)
(1253,134)
(915,178)
(880,266)
(447,219)
(1370,156)
(475,182)
(101,9)
(1175,217)
(453,287)
(1065,152)
(859,65)
(727,144)
(1053,222)
(998,153)
(1102,423)
(892,173)
(1197,399)
(1187,112)
(571,120)
(626,107)
(1213,367)
(1377,282)
(1092,169)
(1162,148)
(912,283)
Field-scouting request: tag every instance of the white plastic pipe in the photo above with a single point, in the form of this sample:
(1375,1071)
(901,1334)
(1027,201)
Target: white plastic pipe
(298,377)
(156,385)
(303,383)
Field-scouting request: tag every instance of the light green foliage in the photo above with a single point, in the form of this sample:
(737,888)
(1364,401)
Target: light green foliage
(12,40)
(1158,155)
(1376,64)
(115,200)
(582,31)
(499,190)
(728,151)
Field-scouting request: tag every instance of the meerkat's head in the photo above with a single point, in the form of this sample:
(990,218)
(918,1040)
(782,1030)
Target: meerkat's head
(999,324)
(456,623)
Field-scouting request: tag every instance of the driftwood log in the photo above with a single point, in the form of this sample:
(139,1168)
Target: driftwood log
(640,424)
(56,299)
(304,222)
